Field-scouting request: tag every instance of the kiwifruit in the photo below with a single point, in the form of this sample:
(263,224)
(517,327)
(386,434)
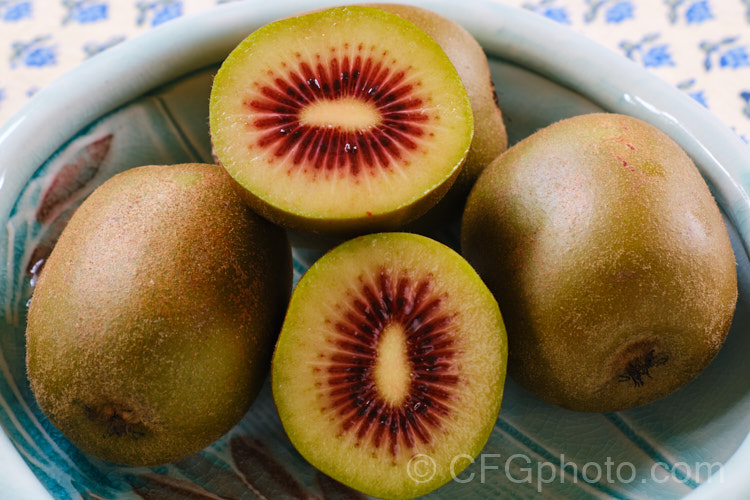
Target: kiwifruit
(490,137)
(151,327)
(342,121)
(609,258)
(392,349)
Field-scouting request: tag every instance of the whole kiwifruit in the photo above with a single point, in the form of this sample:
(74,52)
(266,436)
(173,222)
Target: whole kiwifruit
(389,370)
(609,258)
(151,327)
(342,121)
(490,137)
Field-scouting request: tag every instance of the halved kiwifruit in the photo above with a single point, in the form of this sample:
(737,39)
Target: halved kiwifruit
(390,364)
(342,121)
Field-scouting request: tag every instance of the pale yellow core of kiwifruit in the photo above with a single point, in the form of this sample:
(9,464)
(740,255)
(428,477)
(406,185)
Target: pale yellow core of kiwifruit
(392,371)
(346,113)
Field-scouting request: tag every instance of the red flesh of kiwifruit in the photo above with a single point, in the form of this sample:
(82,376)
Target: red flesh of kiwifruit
(351,384)
(277,103)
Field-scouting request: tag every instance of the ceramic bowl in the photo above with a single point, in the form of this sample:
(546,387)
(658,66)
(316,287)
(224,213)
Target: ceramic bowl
(146,102)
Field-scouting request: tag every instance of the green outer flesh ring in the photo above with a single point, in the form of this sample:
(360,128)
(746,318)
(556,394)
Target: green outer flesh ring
(364,219)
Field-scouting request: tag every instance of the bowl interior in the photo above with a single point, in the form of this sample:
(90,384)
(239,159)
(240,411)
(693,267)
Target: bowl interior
(666,449)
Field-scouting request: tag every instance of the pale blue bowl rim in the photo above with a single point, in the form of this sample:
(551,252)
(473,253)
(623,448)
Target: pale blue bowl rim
(615,83)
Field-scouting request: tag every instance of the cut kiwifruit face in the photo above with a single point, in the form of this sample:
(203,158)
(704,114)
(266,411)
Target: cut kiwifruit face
(392,348)
(342,121)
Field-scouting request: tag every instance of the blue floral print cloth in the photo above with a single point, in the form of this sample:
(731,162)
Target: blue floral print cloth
(702,47)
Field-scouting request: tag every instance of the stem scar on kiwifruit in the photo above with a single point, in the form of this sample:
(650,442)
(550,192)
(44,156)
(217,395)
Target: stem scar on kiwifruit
(394,347)
(366,115)
(638,367)
(119,420)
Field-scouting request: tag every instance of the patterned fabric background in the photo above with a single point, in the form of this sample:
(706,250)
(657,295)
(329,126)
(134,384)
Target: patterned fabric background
(700,46)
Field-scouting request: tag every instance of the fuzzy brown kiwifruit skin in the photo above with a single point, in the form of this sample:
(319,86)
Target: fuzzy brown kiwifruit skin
(151,327)
(609,260)
(490,137)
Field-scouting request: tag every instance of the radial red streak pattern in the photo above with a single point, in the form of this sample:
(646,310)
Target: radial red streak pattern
(277,106)
(351,385)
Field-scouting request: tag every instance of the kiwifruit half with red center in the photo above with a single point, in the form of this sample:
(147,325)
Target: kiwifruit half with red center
(390,364)
(342,121)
